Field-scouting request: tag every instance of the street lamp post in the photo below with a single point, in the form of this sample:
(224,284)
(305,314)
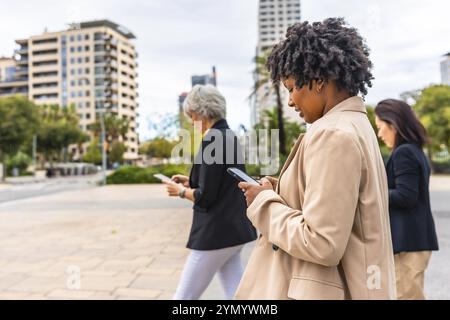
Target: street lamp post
(104,155)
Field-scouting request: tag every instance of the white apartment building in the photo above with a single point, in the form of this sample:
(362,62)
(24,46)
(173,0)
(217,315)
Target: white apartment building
(92,65)
(274,17)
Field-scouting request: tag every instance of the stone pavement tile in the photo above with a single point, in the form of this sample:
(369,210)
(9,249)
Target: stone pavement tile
(137,293)
(155,282)
(166,295)
(95,283)
(156,271)
(41,285)
(13,295)
(102,295)
(7,280)
(99,273)
(126,265)
(162,261)
(35,296)
(24,267)
(70,294)
(61,268)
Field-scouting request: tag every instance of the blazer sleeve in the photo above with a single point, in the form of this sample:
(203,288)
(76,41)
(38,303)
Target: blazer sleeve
(210,176)
(320,232)
(406,171)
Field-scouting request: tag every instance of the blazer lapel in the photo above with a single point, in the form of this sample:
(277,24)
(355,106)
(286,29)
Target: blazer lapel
(290,158)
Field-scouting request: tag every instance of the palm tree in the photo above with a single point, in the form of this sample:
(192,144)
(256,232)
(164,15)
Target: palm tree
(262,78)
(115,127)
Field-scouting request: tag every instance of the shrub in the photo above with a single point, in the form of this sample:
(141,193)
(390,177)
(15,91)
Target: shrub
(137,175)
(21,161)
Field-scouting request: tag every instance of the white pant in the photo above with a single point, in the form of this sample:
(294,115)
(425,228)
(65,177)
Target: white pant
(200,268)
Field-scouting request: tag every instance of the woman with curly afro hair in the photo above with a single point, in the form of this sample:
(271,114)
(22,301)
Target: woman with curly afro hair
(323,225)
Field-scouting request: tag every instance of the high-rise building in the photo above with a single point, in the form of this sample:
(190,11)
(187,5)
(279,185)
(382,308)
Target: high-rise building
(13,79)
(181,99)
(92,65)
(205,79)
(274,18)
(445,69)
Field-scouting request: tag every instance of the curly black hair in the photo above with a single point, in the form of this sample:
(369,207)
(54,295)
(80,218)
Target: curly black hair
(328,50)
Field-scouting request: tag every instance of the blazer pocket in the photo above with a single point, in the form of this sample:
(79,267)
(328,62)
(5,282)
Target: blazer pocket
(302,288)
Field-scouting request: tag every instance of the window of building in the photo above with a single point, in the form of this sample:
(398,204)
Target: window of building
(80,48)
(72,38)
(86,37)
(80,60)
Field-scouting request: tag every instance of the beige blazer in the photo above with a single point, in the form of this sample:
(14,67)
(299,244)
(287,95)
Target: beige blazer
(324,232)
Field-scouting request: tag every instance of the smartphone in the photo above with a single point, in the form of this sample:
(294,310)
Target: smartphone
(163,177)
(242,176)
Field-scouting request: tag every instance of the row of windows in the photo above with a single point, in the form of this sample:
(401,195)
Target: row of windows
(79,37)
(293,1)
(268,39)
(79,49)
(80,94)
(83,104)
(297,18)
(80,82)
(263,13)
(288,5)
(266,26)
(87,116)
(79,60)
(272,32)
(80,71)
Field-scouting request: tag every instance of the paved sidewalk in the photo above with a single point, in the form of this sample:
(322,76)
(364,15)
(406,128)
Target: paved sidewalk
(127,242)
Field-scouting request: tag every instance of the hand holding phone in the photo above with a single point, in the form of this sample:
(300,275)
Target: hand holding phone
(242,176)
(163,178)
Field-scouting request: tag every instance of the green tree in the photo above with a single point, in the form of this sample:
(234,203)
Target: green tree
(117,151)
(292,129)
(20,160)
(159,147)
(93,153)
(58,129)
(385,152)
(432,105)
(115,127)
(18,123)
(262,78)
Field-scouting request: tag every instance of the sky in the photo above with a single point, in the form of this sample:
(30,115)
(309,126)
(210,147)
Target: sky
(179,38)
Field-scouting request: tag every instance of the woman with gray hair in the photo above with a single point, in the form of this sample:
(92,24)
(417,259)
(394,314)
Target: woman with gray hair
(220,227)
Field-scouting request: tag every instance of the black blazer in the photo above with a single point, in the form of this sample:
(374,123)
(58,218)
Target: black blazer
(220,219)
(412,223)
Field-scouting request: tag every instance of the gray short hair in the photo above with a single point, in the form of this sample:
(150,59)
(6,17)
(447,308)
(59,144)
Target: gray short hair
(206,101)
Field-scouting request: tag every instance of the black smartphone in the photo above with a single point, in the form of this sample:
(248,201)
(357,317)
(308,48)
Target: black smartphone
(242,176)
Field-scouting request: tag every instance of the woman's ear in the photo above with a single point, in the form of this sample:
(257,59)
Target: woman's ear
(320,85)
